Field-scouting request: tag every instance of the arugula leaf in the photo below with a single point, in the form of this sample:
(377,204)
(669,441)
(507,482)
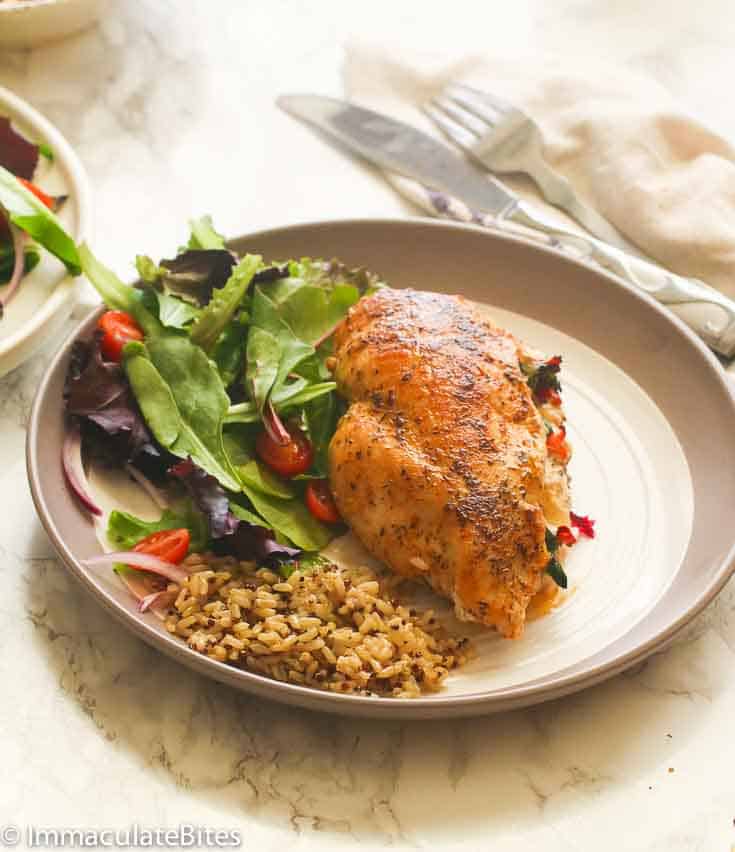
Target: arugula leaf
(221,308)
(291,518)
(183,401)
(203,234)
(125,530)
(255,475)
(32,216)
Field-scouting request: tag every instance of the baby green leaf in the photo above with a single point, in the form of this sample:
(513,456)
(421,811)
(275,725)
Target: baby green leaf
(221,308)
(32,216)
(263,357)
(125,530)
(229,352)
(183,401)
(290,396)
(203,234)
(147,269)
(247,516)
(292,350)
(291,518)
(243,412)
(173,312)
(255,475)
(115,294)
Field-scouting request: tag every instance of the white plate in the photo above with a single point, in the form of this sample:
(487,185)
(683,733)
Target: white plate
(46,296)
(651,417)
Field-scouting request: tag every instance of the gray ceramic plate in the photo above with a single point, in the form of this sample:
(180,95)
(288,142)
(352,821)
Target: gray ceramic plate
(652,422)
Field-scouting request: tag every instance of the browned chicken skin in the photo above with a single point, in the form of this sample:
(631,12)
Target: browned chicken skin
(439,464)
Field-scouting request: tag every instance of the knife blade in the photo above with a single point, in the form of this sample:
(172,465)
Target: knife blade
(403,149)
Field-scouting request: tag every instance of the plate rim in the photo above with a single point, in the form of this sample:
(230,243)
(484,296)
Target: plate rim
(437,706)
(64,291)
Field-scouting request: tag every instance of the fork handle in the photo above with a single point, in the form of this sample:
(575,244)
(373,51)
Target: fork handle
(557,190)
(715,325)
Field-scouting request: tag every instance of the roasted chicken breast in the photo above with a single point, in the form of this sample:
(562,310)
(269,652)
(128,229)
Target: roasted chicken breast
(440,465)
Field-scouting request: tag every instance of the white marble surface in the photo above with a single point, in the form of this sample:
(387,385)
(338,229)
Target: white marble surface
(171,108)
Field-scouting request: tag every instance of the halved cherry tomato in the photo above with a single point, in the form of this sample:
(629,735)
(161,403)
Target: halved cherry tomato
(320,503)
(556,444)
(39,193)
(118,329)
(169,545)
(565,536)
(289,459)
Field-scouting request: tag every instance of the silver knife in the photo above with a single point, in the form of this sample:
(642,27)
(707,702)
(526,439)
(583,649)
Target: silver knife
(403,149)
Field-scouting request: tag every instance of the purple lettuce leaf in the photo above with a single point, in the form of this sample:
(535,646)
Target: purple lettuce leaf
(195,273)
(208,496)
(17,154)
(97,392)
(251,542)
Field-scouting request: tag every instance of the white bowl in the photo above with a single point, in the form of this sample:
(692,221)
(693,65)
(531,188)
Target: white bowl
(30,22)
(46,297)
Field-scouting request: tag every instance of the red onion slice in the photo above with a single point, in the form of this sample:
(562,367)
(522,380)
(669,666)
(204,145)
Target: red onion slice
(158,602)
(141,561)
(18,237)
(158,497)
(274,427)
(71,458)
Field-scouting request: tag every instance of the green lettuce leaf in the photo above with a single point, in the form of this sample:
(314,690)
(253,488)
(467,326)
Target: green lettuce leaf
(173,312)
(125,530)
(255,475)
(32,216)
(183,401)
(291,519)
(203,235)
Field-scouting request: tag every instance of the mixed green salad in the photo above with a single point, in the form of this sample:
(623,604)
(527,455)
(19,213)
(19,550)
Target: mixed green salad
(27,214)
(208,382)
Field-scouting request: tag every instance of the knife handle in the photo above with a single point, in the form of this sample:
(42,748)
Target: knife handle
(714,320)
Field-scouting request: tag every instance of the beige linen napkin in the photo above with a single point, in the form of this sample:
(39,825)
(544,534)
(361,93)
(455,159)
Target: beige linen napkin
(663,179)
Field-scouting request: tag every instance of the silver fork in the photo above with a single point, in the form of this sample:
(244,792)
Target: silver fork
(504,139)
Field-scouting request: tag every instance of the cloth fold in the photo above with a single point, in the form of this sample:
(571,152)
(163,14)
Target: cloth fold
(662,178)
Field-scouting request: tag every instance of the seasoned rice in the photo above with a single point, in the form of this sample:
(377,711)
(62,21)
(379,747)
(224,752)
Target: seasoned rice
(333,628)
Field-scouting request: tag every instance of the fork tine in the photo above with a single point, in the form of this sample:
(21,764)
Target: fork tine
(453,131)
(462,116)
(467,94)
(472,103)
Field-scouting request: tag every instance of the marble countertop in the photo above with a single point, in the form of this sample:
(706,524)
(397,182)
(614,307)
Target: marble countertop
(171,109)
